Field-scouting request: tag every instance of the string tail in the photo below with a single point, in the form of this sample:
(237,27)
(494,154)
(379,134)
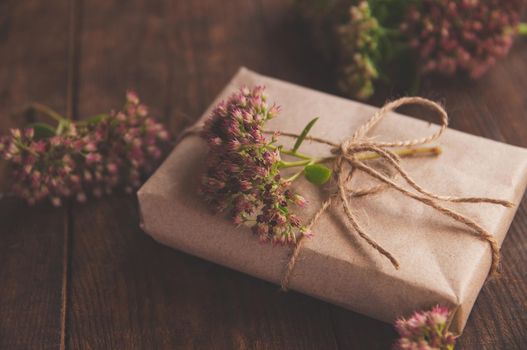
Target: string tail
(342,179)
(367,238)
(194,130)
(501,202)
(284,284)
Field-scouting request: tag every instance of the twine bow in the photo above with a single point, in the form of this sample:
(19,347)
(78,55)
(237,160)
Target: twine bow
(346,164)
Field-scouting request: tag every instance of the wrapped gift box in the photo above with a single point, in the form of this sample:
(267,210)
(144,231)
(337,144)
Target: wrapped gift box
(441,262)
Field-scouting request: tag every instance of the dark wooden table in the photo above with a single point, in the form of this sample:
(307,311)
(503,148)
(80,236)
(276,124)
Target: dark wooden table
(86,277)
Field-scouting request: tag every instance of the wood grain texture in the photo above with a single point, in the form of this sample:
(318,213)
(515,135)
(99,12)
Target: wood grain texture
(127,291)
(33,67)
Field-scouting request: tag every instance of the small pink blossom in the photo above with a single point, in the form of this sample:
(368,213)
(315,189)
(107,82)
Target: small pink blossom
(425,330)
(299,200)
(131,98)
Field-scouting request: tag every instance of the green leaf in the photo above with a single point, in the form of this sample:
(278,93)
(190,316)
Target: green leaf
(303,134)
(522,29)
(42,130)
(317,174)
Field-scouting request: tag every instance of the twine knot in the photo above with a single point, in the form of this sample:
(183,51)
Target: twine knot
(348,147)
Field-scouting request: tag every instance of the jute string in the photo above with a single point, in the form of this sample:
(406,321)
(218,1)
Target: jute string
(346,164)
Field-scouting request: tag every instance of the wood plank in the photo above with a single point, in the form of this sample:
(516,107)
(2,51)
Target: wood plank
(33,67)
(128,291)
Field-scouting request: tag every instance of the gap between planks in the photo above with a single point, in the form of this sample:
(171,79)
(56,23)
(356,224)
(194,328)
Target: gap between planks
(71,112)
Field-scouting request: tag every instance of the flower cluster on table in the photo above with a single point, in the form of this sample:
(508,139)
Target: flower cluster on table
(394,42)
(91,157)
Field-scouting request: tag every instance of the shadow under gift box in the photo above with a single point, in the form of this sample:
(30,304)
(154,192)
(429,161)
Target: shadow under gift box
(441,261)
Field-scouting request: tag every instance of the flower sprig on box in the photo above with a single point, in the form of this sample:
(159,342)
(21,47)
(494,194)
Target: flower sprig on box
(243,168)
(395,42)
(81,158)
(243,172)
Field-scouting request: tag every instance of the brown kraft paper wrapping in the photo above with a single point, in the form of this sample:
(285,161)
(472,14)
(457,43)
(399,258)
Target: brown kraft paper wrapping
(441,262)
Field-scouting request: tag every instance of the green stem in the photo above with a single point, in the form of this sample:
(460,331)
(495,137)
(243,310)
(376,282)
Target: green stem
(284,164)
(49,112)
(522,29)
(294,176)
(295,154)
(290,152)
(403,152)
(93,119)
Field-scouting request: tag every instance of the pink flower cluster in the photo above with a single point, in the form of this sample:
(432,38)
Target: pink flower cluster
(425,330)
(242,174)
(466,35)
(86,158)
(392,43)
